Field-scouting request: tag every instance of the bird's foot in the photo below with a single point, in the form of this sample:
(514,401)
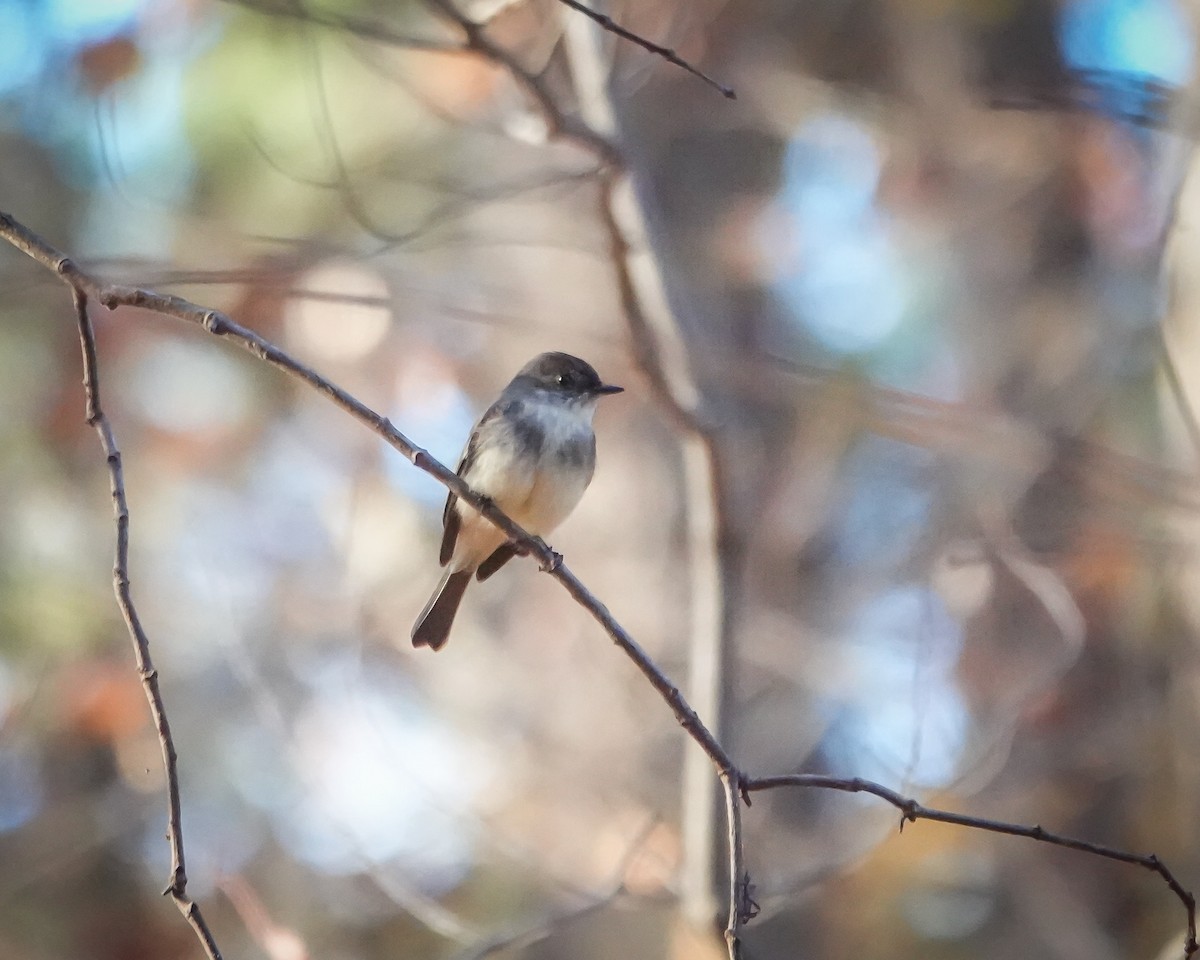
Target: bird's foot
(540,546)
(553,562)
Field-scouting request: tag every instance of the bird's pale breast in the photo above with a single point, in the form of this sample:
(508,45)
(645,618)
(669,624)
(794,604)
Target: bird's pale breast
(535,466)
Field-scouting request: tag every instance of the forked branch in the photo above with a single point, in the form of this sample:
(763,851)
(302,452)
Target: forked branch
(177,884)
(737,785)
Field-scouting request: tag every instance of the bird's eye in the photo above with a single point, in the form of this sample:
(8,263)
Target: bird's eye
(561,379)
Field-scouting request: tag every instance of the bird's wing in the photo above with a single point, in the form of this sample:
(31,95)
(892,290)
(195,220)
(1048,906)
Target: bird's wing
(450,518)
(451,521)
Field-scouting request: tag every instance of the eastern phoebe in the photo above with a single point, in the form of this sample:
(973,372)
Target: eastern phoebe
(533,454)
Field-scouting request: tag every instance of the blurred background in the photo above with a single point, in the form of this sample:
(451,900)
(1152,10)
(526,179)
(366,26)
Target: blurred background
(933,274)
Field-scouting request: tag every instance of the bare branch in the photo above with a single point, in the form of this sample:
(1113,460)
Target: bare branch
(647,352)
(737,785)
(739,880)
(659,352)
(177,885)
(84,284)
(557,121)
(220,325)
(666,53)
(911,811)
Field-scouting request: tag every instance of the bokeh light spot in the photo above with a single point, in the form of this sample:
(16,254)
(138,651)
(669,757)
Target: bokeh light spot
(90,20)
(843,278)
(183,387)
(1150,37)
(340,330)
(21,58)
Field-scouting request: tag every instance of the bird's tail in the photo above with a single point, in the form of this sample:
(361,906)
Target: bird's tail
(432,628)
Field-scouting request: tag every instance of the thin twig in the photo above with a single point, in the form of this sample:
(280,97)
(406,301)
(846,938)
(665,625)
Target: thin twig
(557,121)
(177,885)
(666,53)
(739,880)
(646,349)
(220,325)
(911,811)
(658,349)
(737,784)
(654,335)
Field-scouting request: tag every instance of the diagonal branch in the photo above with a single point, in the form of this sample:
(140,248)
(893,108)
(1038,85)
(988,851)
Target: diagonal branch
(609,24)
(558,122)
(658,345)
(177,886)
(737,785)
(220,325)
(912,811)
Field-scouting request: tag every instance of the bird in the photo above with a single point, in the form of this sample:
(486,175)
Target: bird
(532,453)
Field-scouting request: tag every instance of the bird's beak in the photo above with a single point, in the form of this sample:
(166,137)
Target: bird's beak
(609,388)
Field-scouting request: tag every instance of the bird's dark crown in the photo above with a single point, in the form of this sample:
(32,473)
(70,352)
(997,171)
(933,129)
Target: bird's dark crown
(563,373)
